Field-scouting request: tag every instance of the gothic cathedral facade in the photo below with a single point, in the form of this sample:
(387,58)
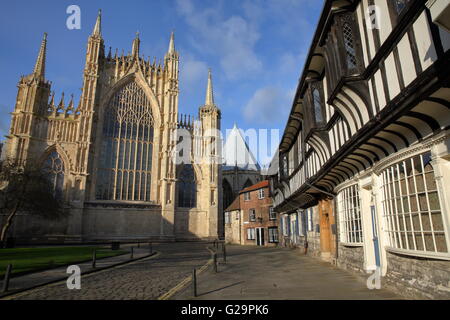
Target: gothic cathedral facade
(111,158)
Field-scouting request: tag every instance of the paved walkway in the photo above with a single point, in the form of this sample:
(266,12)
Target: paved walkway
(253,273)
(141,280)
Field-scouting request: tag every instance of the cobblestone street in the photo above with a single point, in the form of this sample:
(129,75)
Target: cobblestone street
(142,280)
(250,273)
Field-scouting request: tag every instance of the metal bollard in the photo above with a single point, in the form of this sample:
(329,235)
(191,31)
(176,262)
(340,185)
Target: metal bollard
(132,253)
(194,282)
(94,258)
(215,262)
(6,278)
(224,250)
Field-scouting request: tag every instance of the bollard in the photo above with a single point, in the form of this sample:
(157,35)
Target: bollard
(194,282)
(139,245)
(6,278)
(94,258)
(224,250)
(132,253)
(215,262)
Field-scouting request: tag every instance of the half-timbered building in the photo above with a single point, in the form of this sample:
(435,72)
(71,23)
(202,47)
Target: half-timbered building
(367,142)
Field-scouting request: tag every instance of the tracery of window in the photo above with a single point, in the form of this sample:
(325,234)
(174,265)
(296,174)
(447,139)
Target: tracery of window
(126,148)
(187,187)
(317,101)
(349,44)
(411,207)
(54,167)
(350,215)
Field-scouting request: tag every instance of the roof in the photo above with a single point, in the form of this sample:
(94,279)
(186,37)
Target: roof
(259,185)
(235,205)
(237,153)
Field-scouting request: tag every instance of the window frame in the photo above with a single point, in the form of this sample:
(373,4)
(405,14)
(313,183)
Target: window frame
(247,196)
(261,194)
(393,220)
(350,19)
(317,86)
(251,234)
(272,239)
(252,215)
(350,216)
(272,214)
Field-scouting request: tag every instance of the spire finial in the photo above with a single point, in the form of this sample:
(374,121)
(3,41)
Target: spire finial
(136,44)
(98,24)
(172,43)
(39,68)
(209,91)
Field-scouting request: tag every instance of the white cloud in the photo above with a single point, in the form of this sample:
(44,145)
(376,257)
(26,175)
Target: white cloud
(193,74)
(291,62)
(232,38)
(269,105)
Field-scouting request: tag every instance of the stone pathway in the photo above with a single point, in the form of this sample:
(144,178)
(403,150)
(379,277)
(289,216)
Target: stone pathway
(253,273)
(141,280)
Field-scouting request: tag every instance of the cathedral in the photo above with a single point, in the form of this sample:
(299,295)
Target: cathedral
(112,158)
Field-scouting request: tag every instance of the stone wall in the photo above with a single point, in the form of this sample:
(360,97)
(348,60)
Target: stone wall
(351,258)
(233,232)
(417,278)
(121,223)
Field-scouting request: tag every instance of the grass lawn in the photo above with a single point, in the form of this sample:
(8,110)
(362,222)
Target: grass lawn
(34,259)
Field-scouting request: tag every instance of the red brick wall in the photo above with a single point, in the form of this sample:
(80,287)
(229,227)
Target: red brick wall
(262,208)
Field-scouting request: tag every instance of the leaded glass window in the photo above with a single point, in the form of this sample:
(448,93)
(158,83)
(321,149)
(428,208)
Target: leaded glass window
(349,44)
(187,187)
(126,148)
(411,207)
(399,5)
(54,168)
(317,105)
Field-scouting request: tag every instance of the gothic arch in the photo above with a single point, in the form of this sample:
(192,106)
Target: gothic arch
(187,188)
(55,168)
(248,183)
(63,154)
(228,196)
(142,83)
(126,150)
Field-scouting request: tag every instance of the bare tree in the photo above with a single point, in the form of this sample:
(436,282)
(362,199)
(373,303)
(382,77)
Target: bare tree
(26,189)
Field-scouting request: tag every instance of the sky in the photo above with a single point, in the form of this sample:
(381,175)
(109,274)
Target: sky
(255,48)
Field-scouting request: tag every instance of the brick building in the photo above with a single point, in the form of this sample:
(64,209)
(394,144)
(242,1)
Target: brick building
(250,219)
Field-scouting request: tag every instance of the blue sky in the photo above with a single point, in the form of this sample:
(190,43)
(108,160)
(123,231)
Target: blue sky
(256,49)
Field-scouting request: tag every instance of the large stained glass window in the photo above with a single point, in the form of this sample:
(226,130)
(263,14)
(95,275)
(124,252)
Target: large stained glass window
(125,163)
(54,167)
(187,187)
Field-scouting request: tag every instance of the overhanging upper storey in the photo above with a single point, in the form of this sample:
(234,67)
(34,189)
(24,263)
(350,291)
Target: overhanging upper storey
(375,81)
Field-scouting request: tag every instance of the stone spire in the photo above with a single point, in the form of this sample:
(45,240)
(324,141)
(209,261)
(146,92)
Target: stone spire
(172,43)
(39,68)
(98,25)
(136,44)
(209,91)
